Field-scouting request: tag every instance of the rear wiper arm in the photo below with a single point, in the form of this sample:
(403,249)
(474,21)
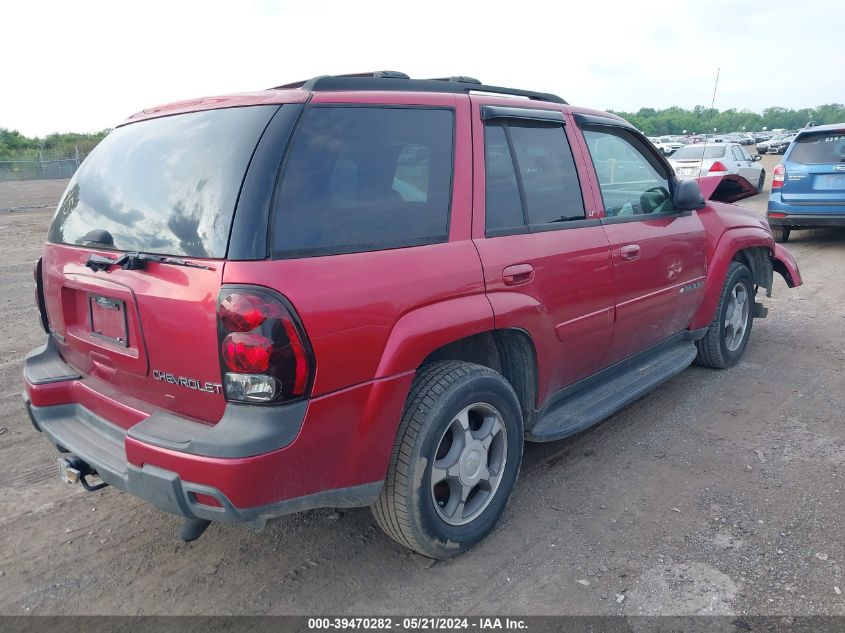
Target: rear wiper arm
(137,261)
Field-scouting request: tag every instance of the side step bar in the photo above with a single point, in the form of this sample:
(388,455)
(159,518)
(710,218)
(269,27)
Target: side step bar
(606,393)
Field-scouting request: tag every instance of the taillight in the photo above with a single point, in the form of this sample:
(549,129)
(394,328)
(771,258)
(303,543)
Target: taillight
(778,176)
(39,295)
(717,166)
(264,353)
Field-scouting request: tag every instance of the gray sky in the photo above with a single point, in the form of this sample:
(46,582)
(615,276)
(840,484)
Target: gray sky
(84,66)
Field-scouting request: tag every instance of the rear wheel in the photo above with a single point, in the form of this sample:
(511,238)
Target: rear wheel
(780,233)
(454,462)
(727,335)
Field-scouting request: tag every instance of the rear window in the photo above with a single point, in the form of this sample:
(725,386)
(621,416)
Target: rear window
(695,152)
(167,185)
(365,178)
(815,149)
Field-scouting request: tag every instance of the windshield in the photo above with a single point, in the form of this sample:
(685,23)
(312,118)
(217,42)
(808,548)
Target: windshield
(818,149)
(694,152)
(167,185)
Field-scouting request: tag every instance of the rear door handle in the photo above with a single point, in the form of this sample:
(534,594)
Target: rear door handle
(630,252)
(518,274)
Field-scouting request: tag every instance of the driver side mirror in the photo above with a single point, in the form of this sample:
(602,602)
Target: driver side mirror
(756,157)
(688,196)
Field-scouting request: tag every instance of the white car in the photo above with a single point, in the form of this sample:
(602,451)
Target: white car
(718,159)
(666,144)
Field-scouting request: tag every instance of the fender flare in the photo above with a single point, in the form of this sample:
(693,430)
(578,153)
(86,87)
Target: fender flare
(422,330)
(730,243)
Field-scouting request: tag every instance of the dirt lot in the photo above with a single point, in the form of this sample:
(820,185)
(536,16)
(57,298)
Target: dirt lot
(721,492)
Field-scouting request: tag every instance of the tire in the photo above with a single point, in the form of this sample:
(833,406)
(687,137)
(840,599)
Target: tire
(761,181)
(424,514)
(724,343)
(781,233)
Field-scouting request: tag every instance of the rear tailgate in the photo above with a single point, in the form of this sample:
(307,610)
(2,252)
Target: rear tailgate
(815,171)
(148,333)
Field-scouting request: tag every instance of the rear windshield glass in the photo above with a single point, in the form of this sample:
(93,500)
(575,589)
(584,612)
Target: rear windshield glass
(695,152)
(166,185)
(365,178)
(814,149)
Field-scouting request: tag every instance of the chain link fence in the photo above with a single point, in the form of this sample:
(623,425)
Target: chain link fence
(38,169)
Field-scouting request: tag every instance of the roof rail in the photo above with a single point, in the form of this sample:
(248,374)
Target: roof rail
(394,80)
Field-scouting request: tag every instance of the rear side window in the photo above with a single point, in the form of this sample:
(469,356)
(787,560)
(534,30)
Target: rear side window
(531,180)
(167,185)
(819,149)
(365,178)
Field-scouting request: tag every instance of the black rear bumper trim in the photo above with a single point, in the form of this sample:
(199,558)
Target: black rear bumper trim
(100,444)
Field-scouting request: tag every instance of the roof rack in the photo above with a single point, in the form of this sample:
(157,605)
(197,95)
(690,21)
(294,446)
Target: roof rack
(395,80)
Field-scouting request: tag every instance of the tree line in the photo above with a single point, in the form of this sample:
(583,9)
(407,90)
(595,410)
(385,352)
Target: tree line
(16,146)
(701,120)
(652,122)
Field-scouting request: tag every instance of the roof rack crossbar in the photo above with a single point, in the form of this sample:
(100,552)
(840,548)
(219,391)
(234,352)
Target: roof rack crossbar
(394,80)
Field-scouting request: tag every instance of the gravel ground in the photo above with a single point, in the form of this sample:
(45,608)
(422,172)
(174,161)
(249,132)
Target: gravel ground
(718,493)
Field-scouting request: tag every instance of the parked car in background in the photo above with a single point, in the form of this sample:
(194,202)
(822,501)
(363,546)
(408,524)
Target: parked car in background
(666,144)
(779,146)
(808,187)
(763,146)
(718,159)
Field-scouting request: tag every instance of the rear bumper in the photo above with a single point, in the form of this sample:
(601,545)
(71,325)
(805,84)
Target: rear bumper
(255,464)
(806,216)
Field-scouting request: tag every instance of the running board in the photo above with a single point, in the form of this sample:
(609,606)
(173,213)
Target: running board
(605,394)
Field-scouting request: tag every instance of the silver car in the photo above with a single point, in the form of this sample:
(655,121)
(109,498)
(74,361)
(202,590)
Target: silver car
(718,159)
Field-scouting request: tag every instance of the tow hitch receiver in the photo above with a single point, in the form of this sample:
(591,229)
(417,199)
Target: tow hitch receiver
(67,472)
(73,470)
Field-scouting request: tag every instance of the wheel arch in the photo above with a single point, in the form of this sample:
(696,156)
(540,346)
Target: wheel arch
(511,352)
(750,246)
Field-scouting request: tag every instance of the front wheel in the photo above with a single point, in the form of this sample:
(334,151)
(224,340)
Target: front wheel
(454,462)
(727,335)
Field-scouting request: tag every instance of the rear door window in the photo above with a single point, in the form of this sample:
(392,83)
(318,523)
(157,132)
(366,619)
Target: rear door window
(819,149)
(365,178)
(167,185)
(531,180)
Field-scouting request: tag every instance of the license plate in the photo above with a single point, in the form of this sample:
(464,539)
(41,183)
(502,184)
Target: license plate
(108,319)
(827,182)
(686,171)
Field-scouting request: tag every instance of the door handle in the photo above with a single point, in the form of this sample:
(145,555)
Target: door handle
(630,252)
(518,274)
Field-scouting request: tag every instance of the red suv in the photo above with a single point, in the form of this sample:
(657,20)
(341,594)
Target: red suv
(369,290)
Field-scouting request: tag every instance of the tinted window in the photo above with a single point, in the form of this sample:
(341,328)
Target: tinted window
(538,160)
(166,185)
(815,149)
(504,207)
(365,178)
(737,154)
(694,152)
(632,180)
(547,170)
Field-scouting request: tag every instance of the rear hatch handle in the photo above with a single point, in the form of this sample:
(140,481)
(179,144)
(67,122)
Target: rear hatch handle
(137,261)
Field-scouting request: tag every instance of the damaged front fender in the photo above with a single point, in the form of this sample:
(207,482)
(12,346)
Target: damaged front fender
(784,264)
